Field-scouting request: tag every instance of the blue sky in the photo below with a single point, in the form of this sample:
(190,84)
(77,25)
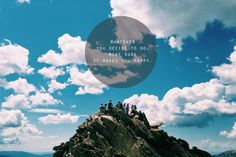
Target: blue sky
(201,39)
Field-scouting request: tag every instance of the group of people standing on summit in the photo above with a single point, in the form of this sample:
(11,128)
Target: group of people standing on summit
(123,106)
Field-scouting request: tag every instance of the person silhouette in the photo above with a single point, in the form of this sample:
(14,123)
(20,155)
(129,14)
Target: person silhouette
(101,106)
(121,106)
(117,105)
(110,105)
(127,108)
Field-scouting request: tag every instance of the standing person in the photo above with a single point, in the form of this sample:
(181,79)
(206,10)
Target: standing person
(123,106)
(117,105)
(132,109)
(120,106)
(110,105)
(101,106)
(127,108)
(105,106)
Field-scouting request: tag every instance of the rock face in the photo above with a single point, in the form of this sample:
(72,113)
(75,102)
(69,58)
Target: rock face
(113,133)
(231,153)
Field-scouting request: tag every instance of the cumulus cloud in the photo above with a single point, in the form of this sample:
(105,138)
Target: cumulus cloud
(72,52)
(43,99)
(229,134)
(19,101)
(189,106)
(180,19)
(26,95)
(51,72)
(14,59)
(150,105)
(54,86)
(10,118)
(86,81)
(192,106)
(21,86)
(227,72)
(22,101)
(59,118)
(14,125)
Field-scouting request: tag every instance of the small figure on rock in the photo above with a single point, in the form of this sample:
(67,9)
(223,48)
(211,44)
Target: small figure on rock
(127,108)
(120,106)
(123,106)
(110,105)
(133,110)
(117,105)
(102,108)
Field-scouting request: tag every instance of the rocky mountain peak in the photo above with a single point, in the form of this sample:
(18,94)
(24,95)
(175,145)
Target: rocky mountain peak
(121,132)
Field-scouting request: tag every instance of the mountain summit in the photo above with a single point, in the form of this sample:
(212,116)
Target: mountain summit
(118,132)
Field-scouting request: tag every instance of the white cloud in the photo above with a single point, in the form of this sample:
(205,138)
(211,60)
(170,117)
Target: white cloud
(86,81)
(45,110)
(23,1)
(150,105)
(72,52)
(230,134)
(227,72)
(43,99)
(14,59)
(231,91)
(200,99)
(218,146)
(26,95)
(175,43)
(19,101)
(14,125)
(21,86)
(191,106)
(51,72)
(180,19)
(10,118)
(54,86)
(59,118)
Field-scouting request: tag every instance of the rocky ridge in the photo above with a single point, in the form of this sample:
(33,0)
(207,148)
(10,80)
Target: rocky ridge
(114,133)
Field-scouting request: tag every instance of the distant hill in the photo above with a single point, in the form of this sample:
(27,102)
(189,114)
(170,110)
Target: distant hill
(231,153)
(21,154)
